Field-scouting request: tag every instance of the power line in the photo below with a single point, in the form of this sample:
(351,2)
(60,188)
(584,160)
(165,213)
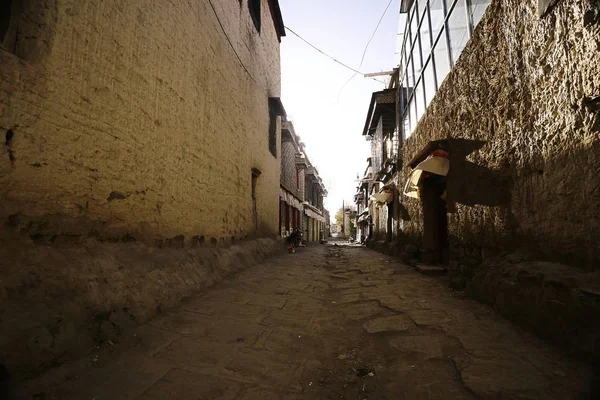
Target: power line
(367,47)
(327,55)
(232,47)
(374,33)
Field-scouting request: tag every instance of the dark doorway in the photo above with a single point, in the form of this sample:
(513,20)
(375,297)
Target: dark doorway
(389,225)
(255,174)
(435,218)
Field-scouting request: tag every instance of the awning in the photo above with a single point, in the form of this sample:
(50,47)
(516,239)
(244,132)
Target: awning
(363,216)
(311,214)
(435,165)
(277,106)
(384,197)
(290,199)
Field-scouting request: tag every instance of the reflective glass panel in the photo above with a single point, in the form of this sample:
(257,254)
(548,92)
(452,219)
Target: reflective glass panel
(442,61)
(436,12)
(425,37)
(416,51)
(413,116)
(459,30)
(419,100)
(429,81)
(400,39)
(421,4)
(477,10)
(406,126)
(409,80)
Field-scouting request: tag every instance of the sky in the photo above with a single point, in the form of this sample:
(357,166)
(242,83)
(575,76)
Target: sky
(330,120)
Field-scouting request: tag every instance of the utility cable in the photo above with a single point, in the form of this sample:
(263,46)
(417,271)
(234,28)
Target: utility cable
(327,55)
(232,47)
(366,48)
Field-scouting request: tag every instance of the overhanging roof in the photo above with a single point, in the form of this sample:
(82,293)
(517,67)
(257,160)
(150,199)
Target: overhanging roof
(383,102)
(277,18)
(277,106)
(431,146)
(405,5)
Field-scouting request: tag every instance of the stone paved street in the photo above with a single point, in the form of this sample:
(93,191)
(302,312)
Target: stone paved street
(328,322)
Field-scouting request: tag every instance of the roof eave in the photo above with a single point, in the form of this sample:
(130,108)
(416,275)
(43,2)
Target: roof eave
(277,18)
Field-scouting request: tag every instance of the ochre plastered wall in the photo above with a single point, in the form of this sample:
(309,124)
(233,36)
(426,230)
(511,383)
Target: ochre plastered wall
(135,119)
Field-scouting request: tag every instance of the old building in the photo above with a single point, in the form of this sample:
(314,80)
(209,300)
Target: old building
(498,126)
(302,190)
(326,224)
(293,167)
(140,141)
(382,133)
(314,219)
(507,123)
(138,133)
(364,220)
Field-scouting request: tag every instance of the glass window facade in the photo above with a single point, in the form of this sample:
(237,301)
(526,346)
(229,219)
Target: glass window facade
(435,34)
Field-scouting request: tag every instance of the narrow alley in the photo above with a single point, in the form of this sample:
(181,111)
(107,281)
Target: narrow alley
(328,322)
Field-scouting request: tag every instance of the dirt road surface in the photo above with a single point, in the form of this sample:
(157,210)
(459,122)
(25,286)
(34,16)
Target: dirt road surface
(328,322)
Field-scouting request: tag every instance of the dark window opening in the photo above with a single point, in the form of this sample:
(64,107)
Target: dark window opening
(5,18)
(272,131)
(254,8)
(297,178)
(255,174)
(8,137)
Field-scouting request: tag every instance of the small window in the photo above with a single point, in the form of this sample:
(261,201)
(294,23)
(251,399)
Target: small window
(272,132)
(275,110)
(255,174)
(6,15)
(254,8)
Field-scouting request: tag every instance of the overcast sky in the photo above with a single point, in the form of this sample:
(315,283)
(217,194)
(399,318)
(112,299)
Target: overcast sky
(330,121)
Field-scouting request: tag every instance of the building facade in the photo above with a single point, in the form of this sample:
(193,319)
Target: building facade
(302,190)
(499,142)
(314,208)
(498,129)
(140,140)
(164,129)
(293,167)
(499,171)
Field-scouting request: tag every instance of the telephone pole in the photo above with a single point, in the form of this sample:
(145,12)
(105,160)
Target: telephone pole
(343,219)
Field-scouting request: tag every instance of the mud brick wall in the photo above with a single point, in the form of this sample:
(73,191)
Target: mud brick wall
(288,169)
(521,111)
(135,120)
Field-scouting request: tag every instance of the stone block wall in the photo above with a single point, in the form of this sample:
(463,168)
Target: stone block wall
(60,302)
(521,113)
(288,169)
(135,121)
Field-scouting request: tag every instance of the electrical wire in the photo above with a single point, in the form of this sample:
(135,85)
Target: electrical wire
(366,48)
(232,47)
(327,55)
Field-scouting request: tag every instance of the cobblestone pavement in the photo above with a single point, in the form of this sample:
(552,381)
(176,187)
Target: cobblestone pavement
(328,322)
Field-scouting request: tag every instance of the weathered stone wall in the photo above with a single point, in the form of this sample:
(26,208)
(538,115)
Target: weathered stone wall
(131,120)
(58,302)
(288,168)
(522,114)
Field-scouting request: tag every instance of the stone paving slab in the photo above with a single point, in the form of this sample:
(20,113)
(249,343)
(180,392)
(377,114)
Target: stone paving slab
(198,353)
(182,384)
(289,328)
(394,323)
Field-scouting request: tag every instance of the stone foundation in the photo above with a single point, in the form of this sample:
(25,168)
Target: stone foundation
(59,302)
(557,302)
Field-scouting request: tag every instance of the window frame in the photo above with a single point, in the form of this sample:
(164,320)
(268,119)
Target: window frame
(254,8)
(272,131)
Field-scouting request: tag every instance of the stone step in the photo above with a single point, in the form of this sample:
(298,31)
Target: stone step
(431,269)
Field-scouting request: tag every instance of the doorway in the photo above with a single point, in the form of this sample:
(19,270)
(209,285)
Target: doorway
(255,174)
(435,218)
